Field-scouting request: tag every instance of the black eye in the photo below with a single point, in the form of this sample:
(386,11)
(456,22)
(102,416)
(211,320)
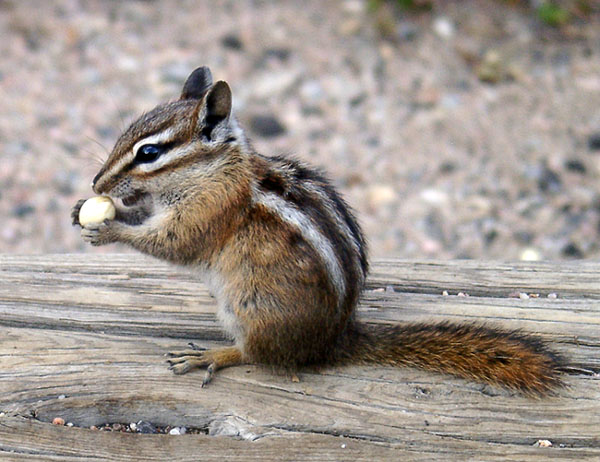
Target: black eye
(149,153)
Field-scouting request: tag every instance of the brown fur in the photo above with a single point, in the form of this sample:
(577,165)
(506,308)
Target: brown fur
(481,353)
(280,249)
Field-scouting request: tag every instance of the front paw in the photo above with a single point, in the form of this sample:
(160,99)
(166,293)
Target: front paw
(99,233)
(75,211)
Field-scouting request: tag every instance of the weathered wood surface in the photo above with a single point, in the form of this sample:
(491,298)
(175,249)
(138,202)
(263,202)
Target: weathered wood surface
(83,337)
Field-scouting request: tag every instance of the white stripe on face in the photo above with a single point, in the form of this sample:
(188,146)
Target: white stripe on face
(291,215)
(157,138)
(127,159)
(166,158)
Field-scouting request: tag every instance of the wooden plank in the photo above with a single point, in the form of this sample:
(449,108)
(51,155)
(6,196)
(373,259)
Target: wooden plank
(575,279)
(35,441)
(105,378)
(131,294)
(83,338)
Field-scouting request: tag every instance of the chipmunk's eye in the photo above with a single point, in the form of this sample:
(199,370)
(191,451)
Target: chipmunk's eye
(149,153)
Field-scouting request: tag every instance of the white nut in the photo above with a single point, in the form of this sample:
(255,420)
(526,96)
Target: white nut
(96,210)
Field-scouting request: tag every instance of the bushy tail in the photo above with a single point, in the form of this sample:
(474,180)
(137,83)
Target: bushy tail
(505,358)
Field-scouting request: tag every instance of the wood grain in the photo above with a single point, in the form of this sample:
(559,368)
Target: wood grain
(83,338)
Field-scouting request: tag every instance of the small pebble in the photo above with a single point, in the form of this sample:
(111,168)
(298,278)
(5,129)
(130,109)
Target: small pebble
(433,196)
(523,296)
(491,68)
(552,295)
(572,250)
(58,421)
(232,41)
(443,27)
(543,444)
(343,446)
(22,210)
(133,426)
(62,397)
(266,126)
(576,166)
(353,6)
(389,289)
(145,427)
(530,254)
(69,424)
(462,294)
(93,427)
(381,195)
(407,31)
(281,54)
(174,431)
(445,293)
(549,181)
(594,142)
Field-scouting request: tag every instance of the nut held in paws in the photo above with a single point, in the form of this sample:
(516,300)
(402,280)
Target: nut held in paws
(96,210)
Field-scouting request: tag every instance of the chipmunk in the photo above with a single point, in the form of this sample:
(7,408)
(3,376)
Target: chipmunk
(279,249)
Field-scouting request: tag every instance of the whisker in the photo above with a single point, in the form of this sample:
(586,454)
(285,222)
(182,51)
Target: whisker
(104,148)
(118,109)
(88,155)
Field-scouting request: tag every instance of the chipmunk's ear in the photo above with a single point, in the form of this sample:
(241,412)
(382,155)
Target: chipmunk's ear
(218,102)
(214,116)
(197,84)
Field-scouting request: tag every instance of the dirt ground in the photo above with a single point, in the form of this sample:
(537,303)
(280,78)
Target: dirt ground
(471,131)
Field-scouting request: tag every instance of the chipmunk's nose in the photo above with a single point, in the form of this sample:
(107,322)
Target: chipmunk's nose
(95,180)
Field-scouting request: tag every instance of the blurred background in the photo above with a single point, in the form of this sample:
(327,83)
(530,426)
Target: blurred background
(455,129)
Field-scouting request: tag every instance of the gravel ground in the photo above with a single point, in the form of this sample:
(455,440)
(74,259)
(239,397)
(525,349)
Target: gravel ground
(472,131)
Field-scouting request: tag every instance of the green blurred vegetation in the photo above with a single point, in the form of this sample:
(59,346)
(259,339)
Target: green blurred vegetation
(554,13)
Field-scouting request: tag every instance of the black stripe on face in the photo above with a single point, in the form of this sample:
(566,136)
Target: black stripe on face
(197,157)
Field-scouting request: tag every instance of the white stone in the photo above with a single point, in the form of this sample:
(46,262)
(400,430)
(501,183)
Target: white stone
(435,197)
(443,27)
(530,254)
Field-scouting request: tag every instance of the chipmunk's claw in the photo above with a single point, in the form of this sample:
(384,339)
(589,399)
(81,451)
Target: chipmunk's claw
(97,233)
(75,212)
(184,361)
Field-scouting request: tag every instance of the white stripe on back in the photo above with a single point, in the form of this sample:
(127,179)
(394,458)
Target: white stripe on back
(334,212)
(291,215)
